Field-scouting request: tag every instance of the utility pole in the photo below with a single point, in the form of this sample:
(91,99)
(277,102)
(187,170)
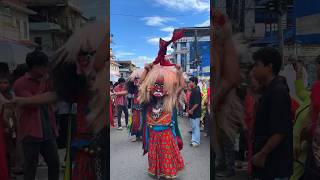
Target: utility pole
(282,5)
(197,58)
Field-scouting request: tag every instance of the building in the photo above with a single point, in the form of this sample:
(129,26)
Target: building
(14,24)
(192,51)
(54,22)
(126,68)
(114,68)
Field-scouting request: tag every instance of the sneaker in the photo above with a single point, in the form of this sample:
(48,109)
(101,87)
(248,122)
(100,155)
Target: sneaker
(225,174)
(195,144)
(134,139)
(119,128)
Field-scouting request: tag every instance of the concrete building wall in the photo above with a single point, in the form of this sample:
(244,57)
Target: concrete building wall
(13,24)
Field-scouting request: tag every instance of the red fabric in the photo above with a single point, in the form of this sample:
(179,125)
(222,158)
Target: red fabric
(188,94)
(84,167)
(135,121)
(249,109)
(30,121)
(249,104)
(180,143)
(4,173)
(315,100)
(163,49)
(164,157)
(120,100)
(111,115)
(294,106)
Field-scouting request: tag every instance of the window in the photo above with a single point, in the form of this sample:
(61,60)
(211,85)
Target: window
(183,62)
(183,45)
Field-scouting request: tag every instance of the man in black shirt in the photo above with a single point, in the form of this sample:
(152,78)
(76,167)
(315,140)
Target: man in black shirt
(195,111)
(273,156)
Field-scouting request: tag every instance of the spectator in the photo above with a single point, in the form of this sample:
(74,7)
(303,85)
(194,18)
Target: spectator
(37,124)
(121,101)
(195,111)
(313,160)
(273,158)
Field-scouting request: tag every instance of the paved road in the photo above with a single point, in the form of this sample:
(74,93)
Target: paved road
(127,162)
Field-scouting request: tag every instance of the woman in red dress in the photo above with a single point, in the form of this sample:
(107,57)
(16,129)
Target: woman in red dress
(133,87)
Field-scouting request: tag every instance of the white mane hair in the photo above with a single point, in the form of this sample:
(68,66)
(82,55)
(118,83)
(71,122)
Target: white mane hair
(93,36)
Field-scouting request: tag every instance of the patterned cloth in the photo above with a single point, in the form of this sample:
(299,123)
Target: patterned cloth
(164,156)
(135,123)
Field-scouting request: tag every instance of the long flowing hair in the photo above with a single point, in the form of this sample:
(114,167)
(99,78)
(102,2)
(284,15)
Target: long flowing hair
(132,88)
(171,85)
(70,84)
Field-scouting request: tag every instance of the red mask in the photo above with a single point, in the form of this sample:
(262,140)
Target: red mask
(85,59)
(136,81)
(157,89)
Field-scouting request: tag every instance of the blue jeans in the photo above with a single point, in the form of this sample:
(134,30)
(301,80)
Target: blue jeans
(195,125)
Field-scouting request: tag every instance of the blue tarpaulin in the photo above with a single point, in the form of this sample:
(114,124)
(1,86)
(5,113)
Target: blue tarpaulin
(271,38)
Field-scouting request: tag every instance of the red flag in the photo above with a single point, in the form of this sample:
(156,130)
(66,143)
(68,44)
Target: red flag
(163,49)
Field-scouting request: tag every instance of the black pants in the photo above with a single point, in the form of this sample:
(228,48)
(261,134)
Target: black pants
(49,151)
(119,112)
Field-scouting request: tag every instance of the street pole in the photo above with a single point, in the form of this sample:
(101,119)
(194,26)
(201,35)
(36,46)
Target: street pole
(281,11)
(197,60)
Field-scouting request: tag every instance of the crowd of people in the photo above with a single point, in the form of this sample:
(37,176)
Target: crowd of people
(281,129)
(56,102)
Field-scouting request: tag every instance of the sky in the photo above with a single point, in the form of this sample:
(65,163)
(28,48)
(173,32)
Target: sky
(93,8)
(137,25)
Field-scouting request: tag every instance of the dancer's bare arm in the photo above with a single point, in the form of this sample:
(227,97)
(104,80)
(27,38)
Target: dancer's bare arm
(45,98)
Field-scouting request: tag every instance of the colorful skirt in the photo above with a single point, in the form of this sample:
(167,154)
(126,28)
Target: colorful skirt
(135,123)
(164,156)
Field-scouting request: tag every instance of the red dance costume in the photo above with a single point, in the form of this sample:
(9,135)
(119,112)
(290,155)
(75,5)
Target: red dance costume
(4,173)
(164,156)
(136,117)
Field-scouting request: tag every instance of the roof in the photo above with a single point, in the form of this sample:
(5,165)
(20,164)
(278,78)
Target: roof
(43,2)
(114,62)
(190,31)
(44,26)
(17,7)
(125,62)
(72,6)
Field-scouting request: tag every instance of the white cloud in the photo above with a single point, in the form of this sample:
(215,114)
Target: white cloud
(206,23)
(155,40)
(186,5)
(123,54)
(157,20)
(167,29)
(140,61)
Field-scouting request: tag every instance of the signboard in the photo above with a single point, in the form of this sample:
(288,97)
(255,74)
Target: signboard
(307,14)
(203,53)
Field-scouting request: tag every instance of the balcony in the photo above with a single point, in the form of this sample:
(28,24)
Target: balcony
(44,26)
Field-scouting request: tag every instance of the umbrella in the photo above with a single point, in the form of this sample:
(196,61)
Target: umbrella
(13,52)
